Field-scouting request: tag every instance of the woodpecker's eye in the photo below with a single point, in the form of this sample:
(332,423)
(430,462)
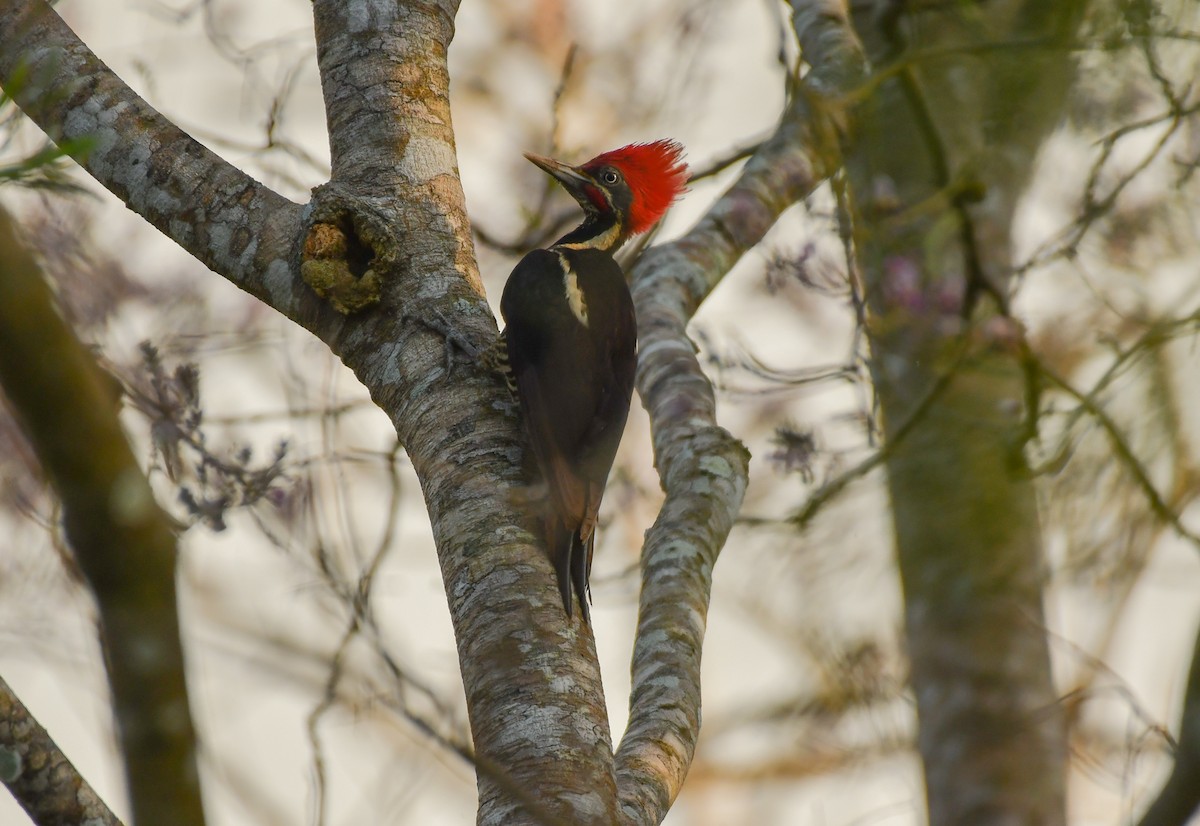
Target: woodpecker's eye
(610,176)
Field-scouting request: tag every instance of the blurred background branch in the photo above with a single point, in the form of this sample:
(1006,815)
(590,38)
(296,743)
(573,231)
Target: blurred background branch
(122,542)
(319,645)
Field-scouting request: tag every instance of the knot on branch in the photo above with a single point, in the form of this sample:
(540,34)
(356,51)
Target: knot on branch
(347,249)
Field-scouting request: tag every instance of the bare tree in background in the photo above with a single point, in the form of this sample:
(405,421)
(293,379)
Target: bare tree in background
(924,121)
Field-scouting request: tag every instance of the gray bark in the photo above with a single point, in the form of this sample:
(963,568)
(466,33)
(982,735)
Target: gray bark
(39,775)
(703,469)
(536,729)
(385,246)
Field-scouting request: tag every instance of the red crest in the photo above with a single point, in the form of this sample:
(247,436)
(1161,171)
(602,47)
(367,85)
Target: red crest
(656,174)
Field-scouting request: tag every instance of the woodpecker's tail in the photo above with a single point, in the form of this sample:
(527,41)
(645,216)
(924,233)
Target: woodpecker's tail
(581,569)
(572,557)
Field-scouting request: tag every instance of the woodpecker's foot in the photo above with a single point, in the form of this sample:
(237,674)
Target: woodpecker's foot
(455,343)
(495,359)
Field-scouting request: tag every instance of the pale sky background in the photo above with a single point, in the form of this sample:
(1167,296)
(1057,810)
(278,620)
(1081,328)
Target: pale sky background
(719,89)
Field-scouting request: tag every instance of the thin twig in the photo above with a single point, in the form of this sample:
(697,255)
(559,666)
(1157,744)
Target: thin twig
(1124,453)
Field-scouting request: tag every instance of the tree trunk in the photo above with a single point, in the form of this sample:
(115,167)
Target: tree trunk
(940,153)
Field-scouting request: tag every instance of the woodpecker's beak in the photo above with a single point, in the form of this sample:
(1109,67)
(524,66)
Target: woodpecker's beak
(572,179)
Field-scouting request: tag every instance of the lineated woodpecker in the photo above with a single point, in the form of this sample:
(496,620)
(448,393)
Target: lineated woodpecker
(570,341)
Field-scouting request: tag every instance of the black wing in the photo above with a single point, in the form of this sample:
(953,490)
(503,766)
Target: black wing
(574,381)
